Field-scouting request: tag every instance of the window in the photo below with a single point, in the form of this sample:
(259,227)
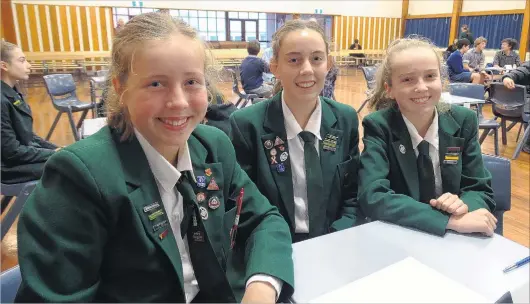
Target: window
(126,13)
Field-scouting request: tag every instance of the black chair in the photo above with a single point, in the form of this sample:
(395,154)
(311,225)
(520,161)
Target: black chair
(508,104)
(62,91)
(242,95)
(501,184)
(476,91)
(11,280)
(369,76)
(526,135)
(22,192)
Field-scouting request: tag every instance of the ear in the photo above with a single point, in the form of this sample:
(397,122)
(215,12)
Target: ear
(273,66)
(118,87)
(388,90)
(3,66)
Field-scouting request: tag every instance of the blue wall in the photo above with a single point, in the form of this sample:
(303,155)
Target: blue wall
(436,29)
(494,27)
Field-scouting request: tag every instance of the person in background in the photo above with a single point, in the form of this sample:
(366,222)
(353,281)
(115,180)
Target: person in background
(466,34)
(520,75)
(142,210)
(507,56)
(474,59)
(23,152)
(455,65)
(356,46)
(422,165)
(450,49)
(252,69)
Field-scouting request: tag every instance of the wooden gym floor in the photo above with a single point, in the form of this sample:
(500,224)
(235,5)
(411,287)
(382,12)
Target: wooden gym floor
(349,89)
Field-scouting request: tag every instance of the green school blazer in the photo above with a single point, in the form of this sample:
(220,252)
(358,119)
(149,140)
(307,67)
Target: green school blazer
(84,234)
(253,127)
(388,174)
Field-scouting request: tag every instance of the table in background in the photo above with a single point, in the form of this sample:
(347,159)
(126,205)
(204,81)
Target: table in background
(460,100)
(326,263)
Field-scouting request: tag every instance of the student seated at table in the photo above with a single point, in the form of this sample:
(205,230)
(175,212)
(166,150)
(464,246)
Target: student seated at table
(300,149)
(252,69)
(356,46)
(520,75)
(422,166)
(507,56)
(142,210)
(455,65)
(474,59)
(23,152)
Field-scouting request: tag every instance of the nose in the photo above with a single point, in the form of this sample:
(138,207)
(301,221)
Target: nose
(177,98)
(421,86)
(306,68)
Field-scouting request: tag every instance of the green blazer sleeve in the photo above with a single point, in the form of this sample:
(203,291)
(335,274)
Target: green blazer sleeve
(376,197)
(13,152)
(351,212)
(43,143)
(63,224)
(262,230)
(475,183)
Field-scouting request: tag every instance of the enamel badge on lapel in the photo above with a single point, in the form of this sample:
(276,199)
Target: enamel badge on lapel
(280,168)
(157,226)
(201,181)
(155,214)
(284,156)
(268,144)
(17,103)
(212,185)
(201,197)
(273,152)
(330,143)
(208,172)
(273,160)
(214,202)
(278,141)
(203,212)
(402,149)
(163,234)
(452,155)
(151,207)
(282,148)
(198,236)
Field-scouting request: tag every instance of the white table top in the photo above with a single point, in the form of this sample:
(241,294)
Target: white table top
(459,100)
(326,263)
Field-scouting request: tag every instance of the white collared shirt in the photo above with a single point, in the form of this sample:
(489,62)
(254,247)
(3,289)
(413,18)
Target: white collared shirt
(166,176)
(433,139)
(296,151)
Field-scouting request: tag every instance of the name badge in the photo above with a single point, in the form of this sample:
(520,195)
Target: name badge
(452,156)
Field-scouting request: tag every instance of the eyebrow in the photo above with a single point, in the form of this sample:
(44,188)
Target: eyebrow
(406,74)
(299,53)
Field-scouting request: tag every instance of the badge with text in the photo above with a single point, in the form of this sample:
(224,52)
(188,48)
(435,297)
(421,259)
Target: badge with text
(214,202)
(268,144)
(212,185)
(452,156)
(151,207)
(204,213)
(155,214)
(198,236)
(284,156)
(201,181)
(157,226)
(330,143)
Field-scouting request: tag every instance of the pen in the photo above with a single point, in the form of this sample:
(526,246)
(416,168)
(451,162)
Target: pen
(517,264)
(233,232)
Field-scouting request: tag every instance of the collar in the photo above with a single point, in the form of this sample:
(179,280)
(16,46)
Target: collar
(507,55)
(165,173)
(9,91)
(292,127)
(431,136)
(475,51)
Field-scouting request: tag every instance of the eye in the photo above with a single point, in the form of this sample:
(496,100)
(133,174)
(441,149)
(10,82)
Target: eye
(194,83)
(318,58)
(406,79)
(155,84)
(292,60)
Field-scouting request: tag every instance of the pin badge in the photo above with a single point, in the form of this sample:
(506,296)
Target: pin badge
(157,226)
(163,234)
(203,212)
(17,103)
(198,236)
(330,143)
(282,148)
(284,156)
(151,207)
(273,152)
(278,141)
(273,160)
(201,181)
(212,185)
(280,168)
(402,149)
(201,197)
(155,214)
(268,144)
(214,203)
(208,172)
(194,218)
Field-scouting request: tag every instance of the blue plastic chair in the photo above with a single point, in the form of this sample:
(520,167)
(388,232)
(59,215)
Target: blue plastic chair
(476,91)
(62,91)
(22,192)
(11,280)
(500,170)
(369,75)
(242,95)
(508,104)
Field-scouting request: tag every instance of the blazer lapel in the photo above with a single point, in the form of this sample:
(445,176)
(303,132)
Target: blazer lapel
(275,127)
(447,128)
(16,99)
(146,200)
(404,153)
(328,157)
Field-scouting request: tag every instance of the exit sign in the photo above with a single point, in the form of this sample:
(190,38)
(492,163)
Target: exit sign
(318,11)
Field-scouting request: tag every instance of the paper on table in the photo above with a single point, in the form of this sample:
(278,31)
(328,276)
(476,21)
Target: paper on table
(407,281)
(521,294)
(91,126)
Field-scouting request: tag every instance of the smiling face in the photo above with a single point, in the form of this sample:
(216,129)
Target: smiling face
(165,93)
(301,65)
(415,81)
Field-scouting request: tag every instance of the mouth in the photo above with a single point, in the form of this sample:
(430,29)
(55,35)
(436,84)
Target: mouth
(306,84)
(174,123)
(421,100)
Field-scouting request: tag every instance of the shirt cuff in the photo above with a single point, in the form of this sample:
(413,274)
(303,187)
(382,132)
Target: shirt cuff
(275,282)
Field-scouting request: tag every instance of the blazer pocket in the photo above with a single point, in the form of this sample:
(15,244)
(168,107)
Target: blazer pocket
(347,173)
